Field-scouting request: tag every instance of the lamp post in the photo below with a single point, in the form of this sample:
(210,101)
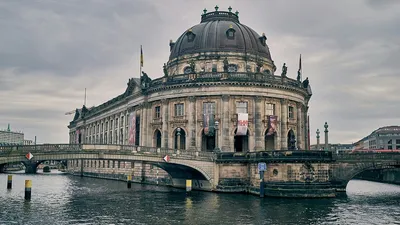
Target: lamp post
(318,139)
(326,137)
(216,135)
(178,133)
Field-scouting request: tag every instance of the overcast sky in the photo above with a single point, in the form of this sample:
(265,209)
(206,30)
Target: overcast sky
(51,50)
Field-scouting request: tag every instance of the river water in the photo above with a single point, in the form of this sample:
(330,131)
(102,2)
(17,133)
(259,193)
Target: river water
(64,199)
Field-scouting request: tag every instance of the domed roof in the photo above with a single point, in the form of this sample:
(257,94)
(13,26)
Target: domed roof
(220,31)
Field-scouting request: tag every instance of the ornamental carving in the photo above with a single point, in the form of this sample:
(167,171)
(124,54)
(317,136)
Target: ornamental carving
(257,99)
(192,99)
(225,98)
(307,173)
(164,101)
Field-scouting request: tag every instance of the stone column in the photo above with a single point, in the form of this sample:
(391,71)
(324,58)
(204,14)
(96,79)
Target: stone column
(284,119)
(149,129)
(191,123)
(299,127)
(224,126)
(326,137)
(305,129)
(318,147)
(258,125)
(144,125)
(164,140)
(278,130)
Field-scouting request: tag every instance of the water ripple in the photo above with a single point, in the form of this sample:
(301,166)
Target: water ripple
(70,200)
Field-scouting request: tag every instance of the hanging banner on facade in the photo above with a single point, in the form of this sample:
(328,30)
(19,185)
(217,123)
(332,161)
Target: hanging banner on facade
(77,136)
(208,124)
(132,128)
(243,122)
(272,123)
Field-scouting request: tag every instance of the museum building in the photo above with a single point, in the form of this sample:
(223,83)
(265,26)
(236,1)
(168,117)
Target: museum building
(218,92)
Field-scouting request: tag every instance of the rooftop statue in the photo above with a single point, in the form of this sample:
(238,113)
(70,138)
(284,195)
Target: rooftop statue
(298,76)
(305,83)
(284,70)
(192,66)
(145,80)
(226,63)
(165,70)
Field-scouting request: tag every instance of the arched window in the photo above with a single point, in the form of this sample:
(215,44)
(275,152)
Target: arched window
(230,33)
(190,35)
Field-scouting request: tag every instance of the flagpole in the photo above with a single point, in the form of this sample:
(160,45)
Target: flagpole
(301,70)
(141,61)
(84,102)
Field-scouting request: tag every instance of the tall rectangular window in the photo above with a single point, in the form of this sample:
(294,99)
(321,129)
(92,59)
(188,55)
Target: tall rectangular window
(179,109)
(107,126)
(270,109)
(291,112)
(214,68)
(157,112)
(241,107)
(116,123)
(209,107)
(122,121)
(397,141)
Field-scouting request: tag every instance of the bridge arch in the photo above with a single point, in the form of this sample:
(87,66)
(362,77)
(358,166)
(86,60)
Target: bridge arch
(342,173)
(177,168)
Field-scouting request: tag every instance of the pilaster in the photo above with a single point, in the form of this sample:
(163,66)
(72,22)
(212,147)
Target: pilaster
(191,123)
(258,125)
(165,114)
(284,119)
(224,130)
(299,138)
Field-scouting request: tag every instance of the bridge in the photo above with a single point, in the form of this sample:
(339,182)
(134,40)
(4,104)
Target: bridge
(302,173)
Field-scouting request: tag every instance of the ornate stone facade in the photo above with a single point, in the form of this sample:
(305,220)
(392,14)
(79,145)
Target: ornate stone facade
(218,74)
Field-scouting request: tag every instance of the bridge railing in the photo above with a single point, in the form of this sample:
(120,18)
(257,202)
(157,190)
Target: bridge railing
(103,148)
(283,155)
(367,156)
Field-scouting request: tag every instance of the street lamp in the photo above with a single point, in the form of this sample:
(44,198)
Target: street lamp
(216,135)
(178,133)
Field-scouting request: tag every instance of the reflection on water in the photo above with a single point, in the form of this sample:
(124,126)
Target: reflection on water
(64,199)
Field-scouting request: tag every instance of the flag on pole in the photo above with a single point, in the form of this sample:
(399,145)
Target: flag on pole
(300,63)
(141,56)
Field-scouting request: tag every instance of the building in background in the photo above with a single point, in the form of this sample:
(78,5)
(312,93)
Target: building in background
(382,138)
(28,142)
(338,148)
(219,92)
(9,137)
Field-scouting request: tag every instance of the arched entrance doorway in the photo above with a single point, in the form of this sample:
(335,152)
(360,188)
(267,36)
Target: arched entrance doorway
(291,140)
(207,142)
(157,138)
(180,138)
(269,141)
(241,143)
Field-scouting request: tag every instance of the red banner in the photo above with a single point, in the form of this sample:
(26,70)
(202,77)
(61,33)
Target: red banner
(132,128)
(272,124)
(243,122)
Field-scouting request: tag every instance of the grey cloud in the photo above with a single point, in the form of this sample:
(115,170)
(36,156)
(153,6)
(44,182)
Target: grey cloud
(52,50)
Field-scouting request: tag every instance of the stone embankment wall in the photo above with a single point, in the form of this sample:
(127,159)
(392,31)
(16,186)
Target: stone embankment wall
(119,170)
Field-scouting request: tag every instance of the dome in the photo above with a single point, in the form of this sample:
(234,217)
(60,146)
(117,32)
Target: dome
(220,31)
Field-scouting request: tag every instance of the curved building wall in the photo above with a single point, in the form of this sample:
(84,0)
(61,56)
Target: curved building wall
(165,108)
